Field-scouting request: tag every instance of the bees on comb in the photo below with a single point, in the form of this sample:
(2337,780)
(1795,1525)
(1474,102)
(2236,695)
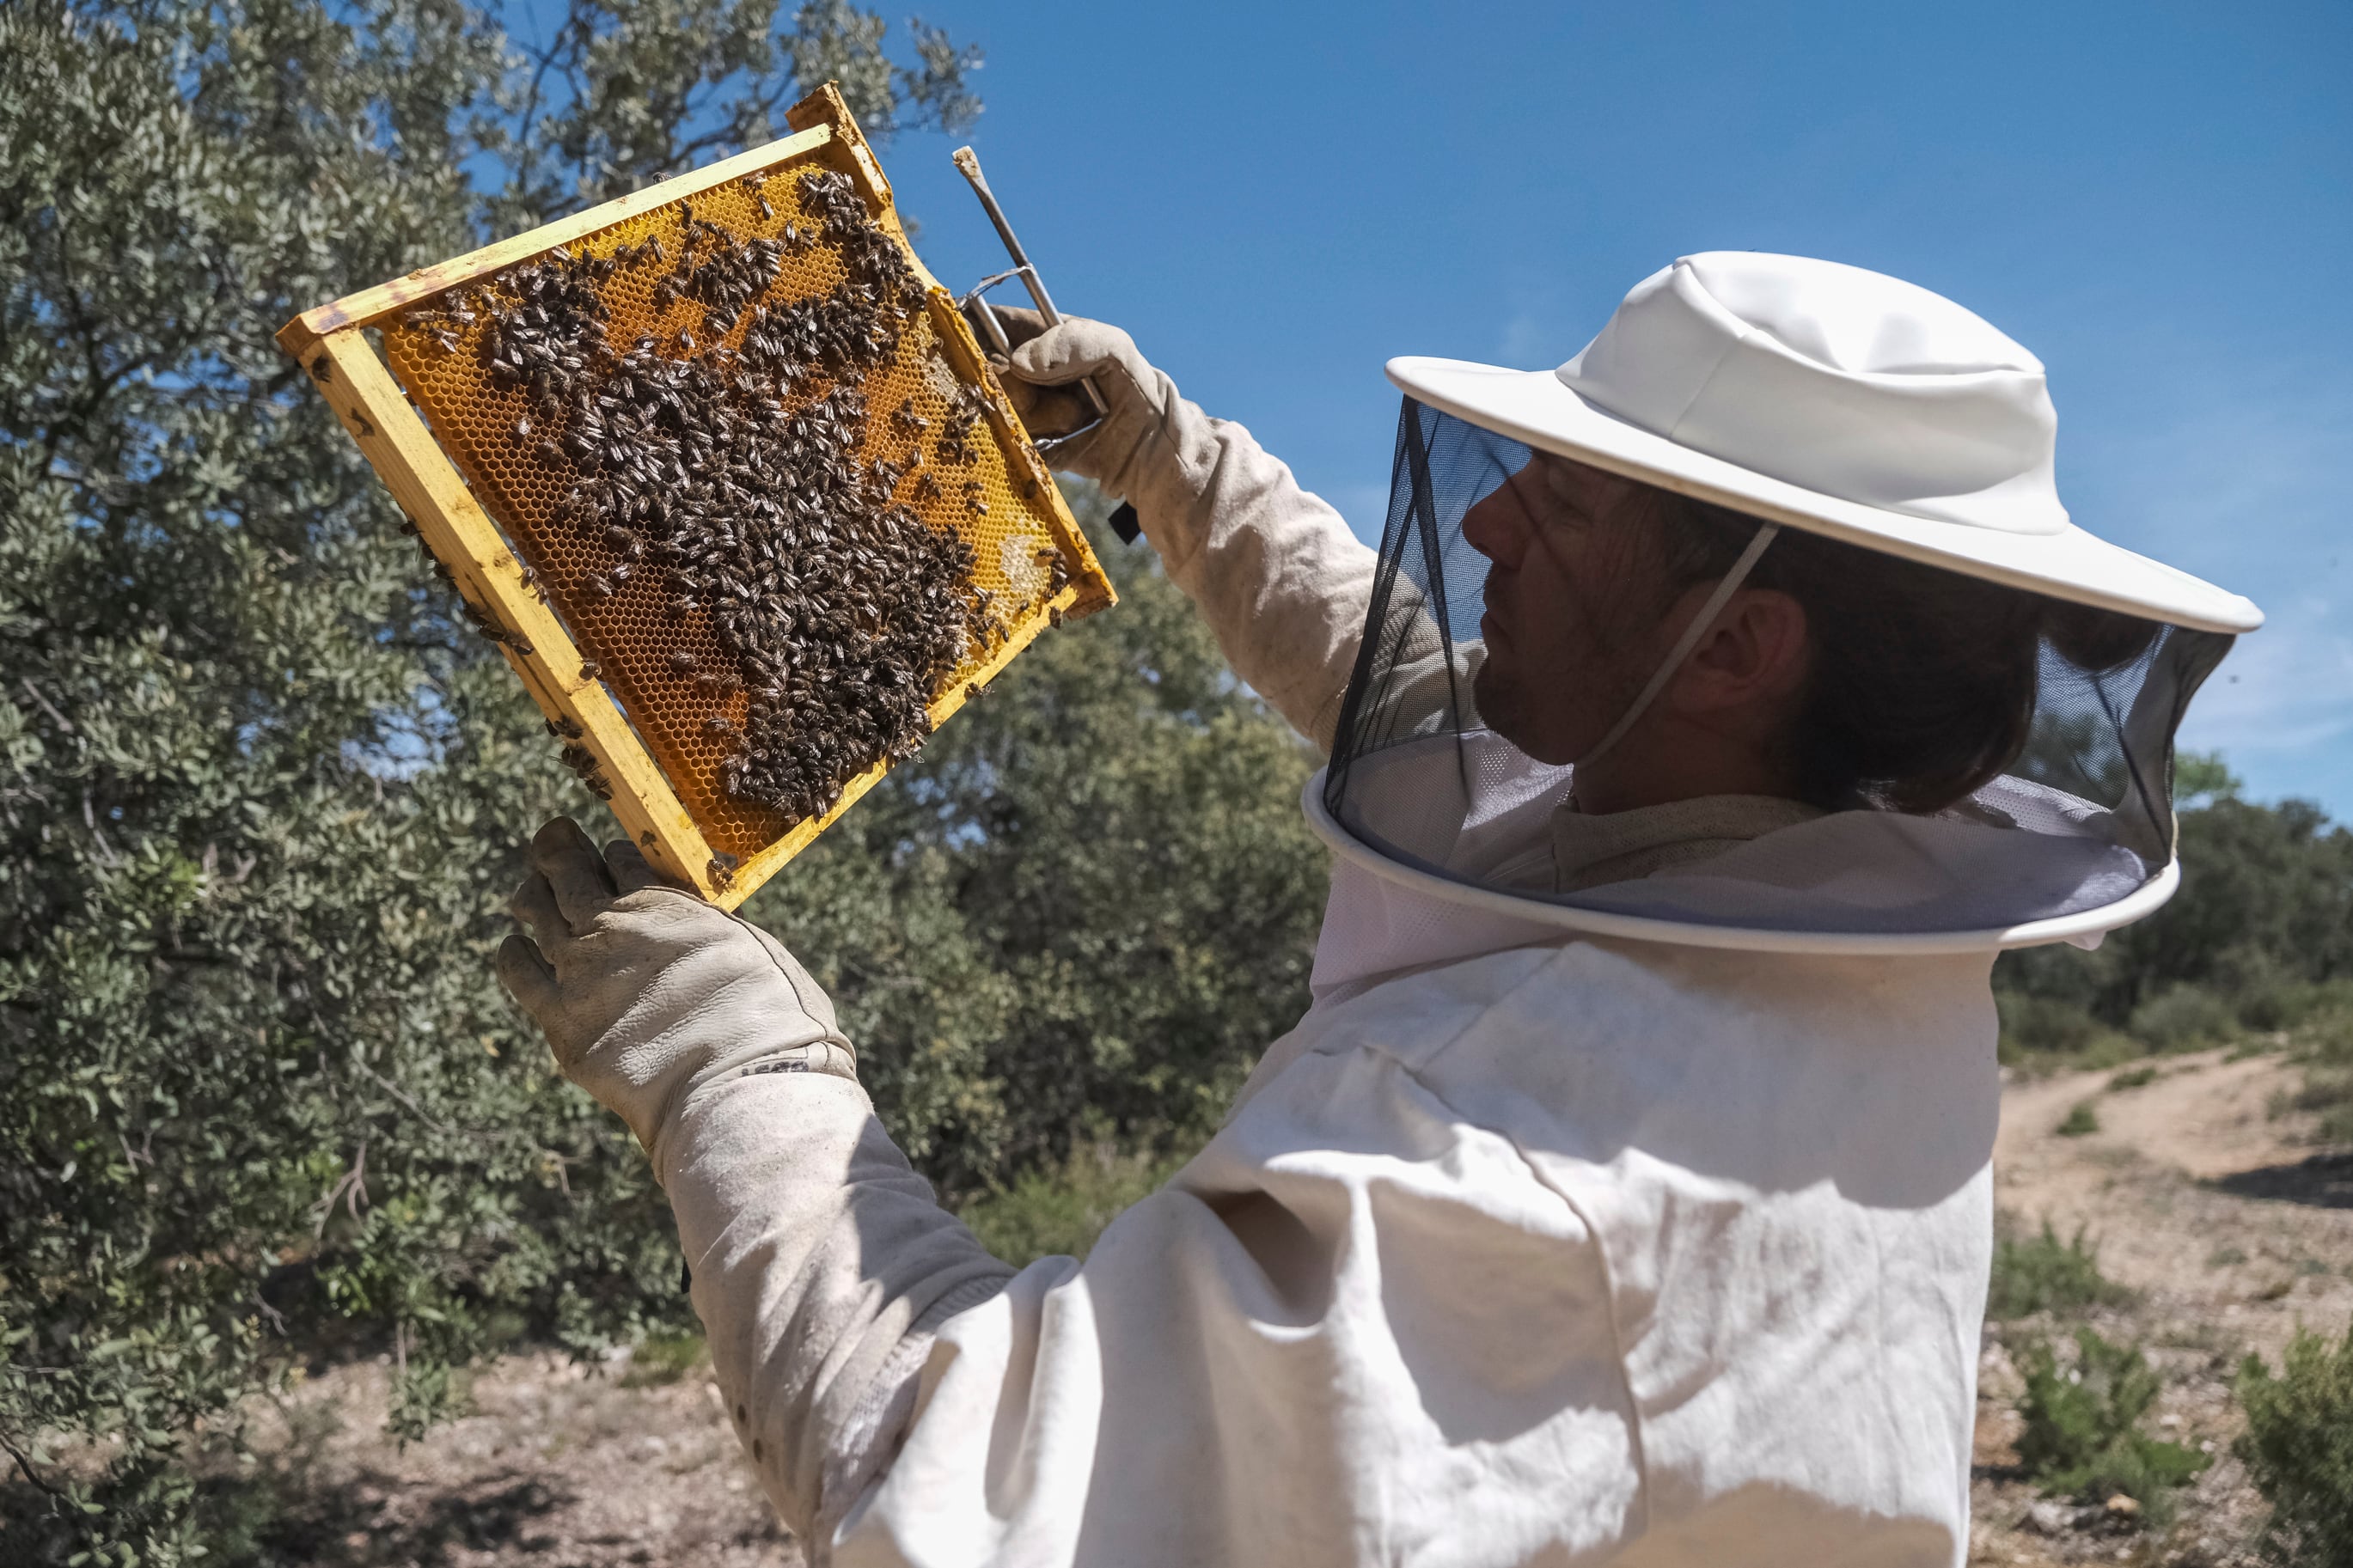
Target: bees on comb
(734,540)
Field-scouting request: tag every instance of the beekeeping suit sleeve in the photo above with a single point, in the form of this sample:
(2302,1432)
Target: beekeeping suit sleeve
(820,1261)
(1274,570)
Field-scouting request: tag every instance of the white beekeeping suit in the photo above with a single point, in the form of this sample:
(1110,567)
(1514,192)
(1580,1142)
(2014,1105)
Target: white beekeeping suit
(1625,1196)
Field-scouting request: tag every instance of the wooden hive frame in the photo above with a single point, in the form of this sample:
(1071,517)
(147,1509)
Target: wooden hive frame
(331,343)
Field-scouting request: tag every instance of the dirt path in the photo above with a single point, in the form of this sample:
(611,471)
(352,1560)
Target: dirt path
(2232,1228)
(557,1467)
(2195,1192)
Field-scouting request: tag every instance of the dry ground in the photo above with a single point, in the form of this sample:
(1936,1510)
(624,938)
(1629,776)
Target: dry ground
(558,1466)
(2232,1228)
(2198,1197)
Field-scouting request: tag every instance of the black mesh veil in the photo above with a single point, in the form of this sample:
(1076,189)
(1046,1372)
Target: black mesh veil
(2081,822)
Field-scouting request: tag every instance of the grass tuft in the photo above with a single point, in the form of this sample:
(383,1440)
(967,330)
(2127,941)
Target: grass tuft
(1061,1213)
(2044,1274)
(663,1357)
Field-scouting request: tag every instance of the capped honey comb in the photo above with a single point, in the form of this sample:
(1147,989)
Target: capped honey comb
(730,487)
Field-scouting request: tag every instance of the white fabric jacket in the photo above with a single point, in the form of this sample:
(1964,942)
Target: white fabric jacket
(1564,1254)
(1554,1251)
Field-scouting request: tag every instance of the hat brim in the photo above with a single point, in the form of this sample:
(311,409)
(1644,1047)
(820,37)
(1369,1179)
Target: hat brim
(1537,408)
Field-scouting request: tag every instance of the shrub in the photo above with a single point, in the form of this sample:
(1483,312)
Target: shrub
(2265,908)
(2182,1017)
(663,1357)
(2082,1430)
(2298,1450)
(2080,1121)
(2322,1039)
(2325,1007)
(2044,1274)
(1060,1212)
(2044,1023)
(2138,1078)
(2050,1031)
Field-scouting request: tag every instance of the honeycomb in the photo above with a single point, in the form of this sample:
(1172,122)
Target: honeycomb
(652,657)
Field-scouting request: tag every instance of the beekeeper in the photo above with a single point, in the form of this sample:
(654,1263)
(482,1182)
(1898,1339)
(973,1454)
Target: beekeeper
(1715,709)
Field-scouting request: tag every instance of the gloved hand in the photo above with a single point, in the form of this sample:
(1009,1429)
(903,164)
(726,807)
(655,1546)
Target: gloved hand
(1275,571)
(1041,377)
(647,993)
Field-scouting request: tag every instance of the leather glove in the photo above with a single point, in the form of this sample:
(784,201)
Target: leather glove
(649,996)
(1282,581)
(1042,378)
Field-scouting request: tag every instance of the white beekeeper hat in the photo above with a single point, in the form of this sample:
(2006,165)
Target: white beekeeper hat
(1834,399)
(1817,397)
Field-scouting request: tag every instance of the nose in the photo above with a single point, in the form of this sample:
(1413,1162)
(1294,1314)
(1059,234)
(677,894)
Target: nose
(1497,527)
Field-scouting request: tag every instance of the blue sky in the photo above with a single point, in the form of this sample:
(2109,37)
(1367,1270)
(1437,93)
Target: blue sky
(2157,199)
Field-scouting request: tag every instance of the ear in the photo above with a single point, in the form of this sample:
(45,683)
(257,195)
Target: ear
(1756,656)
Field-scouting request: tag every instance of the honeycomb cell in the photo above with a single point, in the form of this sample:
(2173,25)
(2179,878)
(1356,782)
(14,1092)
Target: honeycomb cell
(923,446)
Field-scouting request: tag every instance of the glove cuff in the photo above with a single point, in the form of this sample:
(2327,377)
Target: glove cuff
(828,1053)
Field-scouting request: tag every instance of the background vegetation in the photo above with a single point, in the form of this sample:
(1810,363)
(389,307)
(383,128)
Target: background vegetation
(2299,1447)
(2260,937)
(2084,1434)
(260,791)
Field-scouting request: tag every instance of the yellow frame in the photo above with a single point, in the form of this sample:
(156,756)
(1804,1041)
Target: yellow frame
(331,343)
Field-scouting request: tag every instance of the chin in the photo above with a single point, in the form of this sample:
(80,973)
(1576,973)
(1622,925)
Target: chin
(1504,708)
(1501,708)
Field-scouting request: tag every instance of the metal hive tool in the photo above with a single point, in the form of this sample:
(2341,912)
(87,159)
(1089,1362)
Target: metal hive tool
(721,468)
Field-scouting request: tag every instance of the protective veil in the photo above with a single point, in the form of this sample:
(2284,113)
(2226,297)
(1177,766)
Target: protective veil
(2076,836)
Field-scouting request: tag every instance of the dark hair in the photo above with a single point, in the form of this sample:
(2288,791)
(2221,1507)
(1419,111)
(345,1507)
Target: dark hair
(1924,681)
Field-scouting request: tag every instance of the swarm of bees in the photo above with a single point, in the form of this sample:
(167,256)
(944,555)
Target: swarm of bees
(730,485)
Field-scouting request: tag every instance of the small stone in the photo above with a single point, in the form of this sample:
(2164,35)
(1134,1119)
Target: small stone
(2122,1507)
(2051,1518)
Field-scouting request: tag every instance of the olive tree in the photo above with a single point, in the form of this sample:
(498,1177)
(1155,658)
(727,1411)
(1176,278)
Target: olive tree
(259,793)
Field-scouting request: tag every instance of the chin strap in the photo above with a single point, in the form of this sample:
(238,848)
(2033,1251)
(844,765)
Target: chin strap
(1701,625)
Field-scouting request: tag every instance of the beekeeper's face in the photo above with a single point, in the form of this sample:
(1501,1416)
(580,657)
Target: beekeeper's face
(1572,600)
